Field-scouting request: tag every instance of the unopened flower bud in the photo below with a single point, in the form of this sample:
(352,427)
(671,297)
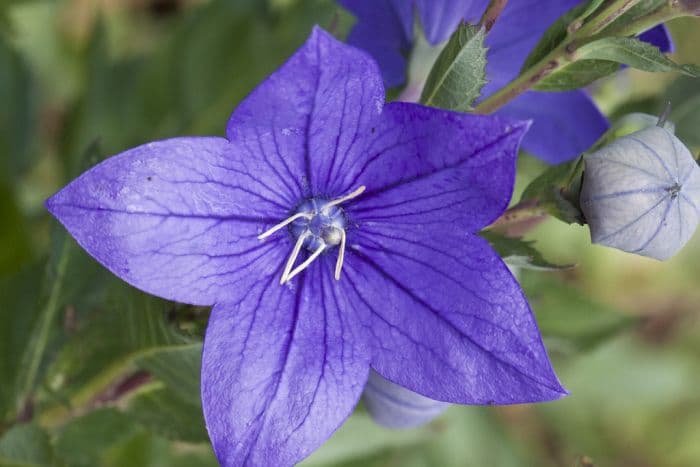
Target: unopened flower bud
(641,193)
(394,406)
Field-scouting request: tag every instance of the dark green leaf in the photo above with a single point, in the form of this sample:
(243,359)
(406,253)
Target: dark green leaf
(84,440)
(568,319)
(25,445)
(163,411)
(557,190)
(459,72)
(520,253)
(576,75)
(633,52)
(17,114)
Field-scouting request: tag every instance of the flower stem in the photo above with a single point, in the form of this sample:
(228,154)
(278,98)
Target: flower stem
(493,11)
(558,57)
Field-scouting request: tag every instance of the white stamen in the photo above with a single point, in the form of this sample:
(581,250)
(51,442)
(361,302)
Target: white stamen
(293,257)
(285,223)
(345,198)
(305,264)
(341,255)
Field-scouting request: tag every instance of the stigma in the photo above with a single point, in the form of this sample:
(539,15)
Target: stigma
(318,224)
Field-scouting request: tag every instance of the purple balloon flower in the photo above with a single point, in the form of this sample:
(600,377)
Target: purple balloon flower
(564,123)
(332,234)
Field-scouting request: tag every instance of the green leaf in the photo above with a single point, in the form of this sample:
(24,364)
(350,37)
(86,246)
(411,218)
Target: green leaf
(520,253)
(459,72)
(18,114)
(116,335)
(557,191)
(568,318)
(554,35)
(163,411)
(634,53)
(177,367)
(25,445)
(684,95)
(84,440)
(576,75)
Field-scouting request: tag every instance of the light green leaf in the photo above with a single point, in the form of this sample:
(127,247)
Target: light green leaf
(163,411)
(25,445)
(459,72)
(634,53)
(520,253)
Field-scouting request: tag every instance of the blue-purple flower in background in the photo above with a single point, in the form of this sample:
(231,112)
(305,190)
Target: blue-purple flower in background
(564,123)
(332,234)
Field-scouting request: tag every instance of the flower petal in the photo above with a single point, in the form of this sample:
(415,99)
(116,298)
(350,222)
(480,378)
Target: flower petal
(564,123)
(394,406)
(178,218)
(282,369)
(433,166)
(660,37)
(450,321)
(384,29)
(308,116)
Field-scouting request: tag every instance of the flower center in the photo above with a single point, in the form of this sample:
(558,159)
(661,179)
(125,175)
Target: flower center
(318,224)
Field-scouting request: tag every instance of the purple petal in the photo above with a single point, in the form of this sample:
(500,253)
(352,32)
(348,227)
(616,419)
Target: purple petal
(394,406)
(384,29)
(178,218)
(282,368)
(449,320)
(440,18)
(310,114)
(660,37)
(519,28)
(564,123)
(427,165)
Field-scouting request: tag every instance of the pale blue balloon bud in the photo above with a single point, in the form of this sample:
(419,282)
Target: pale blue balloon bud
(641,193)
(394,406)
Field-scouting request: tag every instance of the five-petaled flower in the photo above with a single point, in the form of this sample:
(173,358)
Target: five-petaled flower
(332,234)
(564,123)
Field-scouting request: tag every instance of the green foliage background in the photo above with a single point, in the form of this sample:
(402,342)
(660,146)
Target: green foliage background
(94,373)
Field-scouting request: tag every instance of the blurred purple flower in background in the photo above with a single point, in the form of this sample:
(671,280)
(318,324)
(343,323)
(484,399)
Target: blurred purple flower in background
(332,234)
(565,123)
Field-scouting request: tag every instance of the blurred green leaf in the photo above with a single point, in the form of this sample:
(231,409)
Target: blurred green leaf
(25,445)
(568,319)
(684,95)
(520,253)
(129,325)
(163,411)
(635,53)
(13,232)
(177,367)
(18,114)
(459,72)
(359,437)
(84,440)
